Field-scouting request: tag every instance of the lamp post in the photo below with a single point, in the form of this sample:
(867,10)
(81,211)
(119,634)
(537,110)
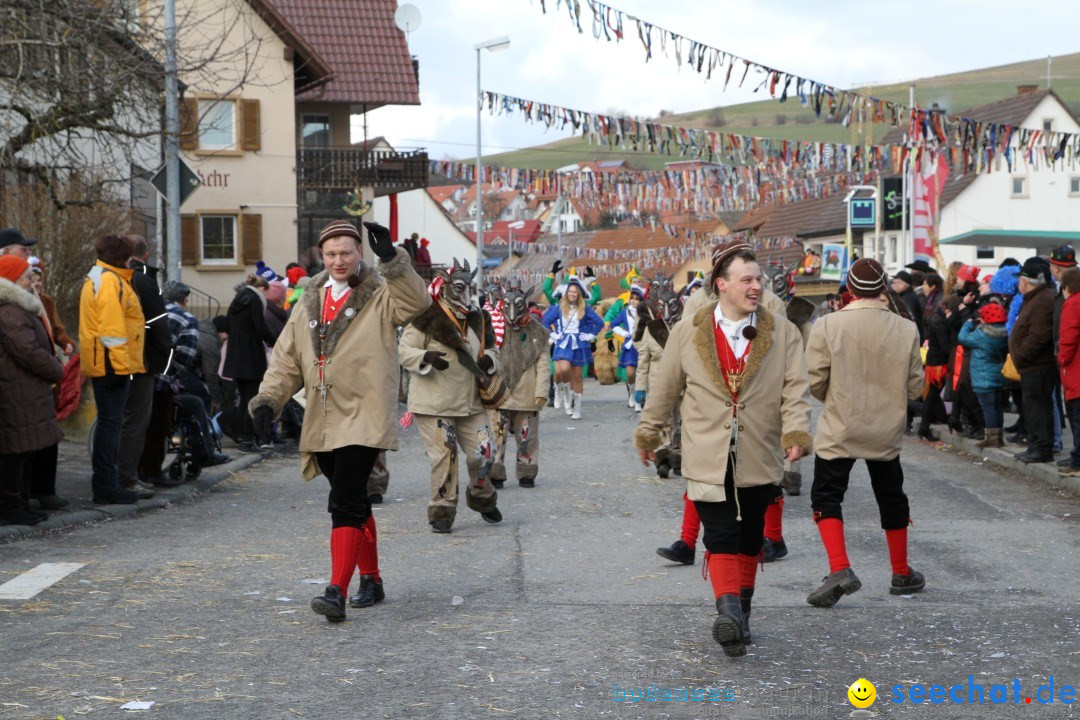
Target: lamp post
(494,45)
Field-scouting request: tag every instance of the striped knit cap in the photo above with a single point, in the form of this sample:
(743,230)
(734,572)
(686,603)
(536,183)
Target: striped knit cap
(338,228)
(866,278)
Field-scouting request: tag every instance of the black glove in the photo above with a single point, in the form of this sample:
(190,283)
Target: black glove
(262,420)
(556,267)
(611,346)
(381,242)
(434,358)
(589,272)
(485,363)
(592,346)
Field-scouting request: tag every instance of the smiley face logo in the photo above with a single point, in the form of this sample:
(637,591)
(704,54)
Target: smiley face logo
(862,693)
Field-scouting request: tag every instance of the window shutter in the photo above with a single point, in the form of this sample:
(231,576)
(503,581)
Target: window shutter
(189,239)
(249,123)
(251,234)
(189,124)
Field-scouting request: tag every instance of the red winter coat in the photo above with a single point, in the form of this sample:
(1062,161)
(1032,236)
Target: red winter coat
(1069,347)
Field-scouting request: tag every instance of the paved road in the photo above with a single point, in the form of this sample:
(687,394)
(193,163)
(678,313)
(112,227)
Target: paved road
(202,608)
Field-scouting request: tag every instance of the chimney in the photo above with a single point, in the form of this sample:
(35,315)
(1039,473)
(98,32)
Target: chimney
(1026,89)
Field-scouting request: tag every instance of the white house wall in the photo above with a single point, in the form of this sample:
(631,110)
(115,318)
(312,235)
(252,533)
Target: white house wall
(419,213)
(987,204)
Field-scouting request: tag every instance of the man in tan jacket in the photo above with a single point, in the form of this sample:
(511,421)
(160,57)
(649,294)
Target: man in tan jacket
(864,364)
(741,375)
(523,359)
(340,347)
(445,349)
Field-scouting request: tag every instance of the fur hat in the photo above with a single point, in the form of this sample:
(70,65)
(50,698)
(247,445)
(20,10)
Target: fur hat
(866,278)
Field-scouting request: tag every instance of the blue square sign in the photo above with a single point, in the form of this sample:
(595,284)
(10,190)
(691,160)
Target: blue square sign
(862,212)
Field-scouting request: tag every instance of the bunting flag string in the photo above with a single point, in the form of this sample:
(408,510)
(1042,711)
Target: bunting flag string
(702,189)
(981,149)
(975,146)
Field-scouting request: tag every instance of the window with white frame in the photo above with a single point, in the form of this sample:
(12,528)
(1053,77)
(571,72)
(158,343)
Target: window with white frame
(315,131)
(1019,187)
(218,240)
(984,252)
(217,125)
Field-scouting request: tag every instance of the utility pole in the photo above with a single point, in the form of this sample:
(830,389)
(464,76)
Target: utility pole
(172,146)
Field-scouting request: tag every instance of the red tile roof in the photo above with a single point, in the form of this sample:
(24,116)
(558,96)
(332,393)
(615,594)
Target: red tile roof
(367,53)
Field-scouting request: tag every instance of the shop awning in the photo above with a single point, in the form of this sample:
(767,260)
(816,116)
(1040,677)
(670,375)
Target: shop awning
(1042,240)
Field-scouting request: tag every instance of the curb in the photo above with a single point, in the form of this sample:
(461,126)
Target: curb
(162,499)
(1045,473)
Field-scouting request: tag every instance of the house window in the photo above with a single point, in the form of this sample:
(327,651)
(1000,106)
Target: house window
(984,252)
(217,125)
(218,234)
(1019,187)
(1048,124)
(315,131)
(1074,187)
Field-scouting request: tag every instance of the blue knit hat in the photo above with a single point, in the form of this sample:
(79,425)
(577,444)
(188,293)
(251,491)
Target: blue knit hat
(1006,280)
(264,271)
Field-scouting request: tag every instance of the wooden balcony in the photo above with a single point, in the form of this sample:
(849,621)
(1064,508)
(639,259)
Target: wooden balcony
(342,169)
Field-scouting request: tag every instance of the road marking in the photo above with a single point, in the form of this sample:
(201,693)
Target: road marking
(31,582)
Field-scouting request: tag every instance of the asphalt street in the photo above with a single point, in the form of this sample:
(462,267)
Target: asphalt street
(202,607)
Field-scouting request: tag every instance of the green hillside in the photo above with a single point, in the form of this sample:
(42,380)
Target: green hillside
(789,120)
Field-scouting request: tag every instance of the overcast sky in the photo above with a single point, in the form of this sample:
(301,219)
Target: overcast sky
(840,42)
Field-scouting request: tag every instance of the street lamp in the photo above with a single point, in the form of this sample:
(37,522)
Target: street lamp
(494,45)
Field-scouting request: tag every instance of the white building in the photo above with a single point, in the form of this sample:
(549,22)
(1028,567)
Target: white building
(419,213)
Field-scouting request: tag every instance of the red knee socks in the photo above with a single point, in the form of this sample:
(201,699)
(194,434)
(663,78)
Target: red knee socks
(344,543)
(367,552)
(691,523)
(897,540)
(774,520)
(725,573)
(747,570)
(832,534)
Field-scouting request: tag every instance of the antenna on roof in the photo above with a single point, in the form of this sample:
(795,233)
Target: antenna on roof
(407,18)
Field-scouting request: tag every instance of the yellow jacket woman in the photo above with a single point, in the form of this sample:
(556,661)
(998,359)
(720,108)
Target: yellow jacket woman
(111,322)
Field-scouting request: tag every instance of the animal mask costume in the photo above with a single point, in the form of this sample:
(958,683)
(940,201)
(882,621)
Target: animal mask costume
(457,287)
(516,304)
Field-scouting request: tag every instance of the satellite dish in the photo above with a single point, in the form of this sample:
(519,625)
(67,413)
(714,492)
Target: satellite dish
(407,18)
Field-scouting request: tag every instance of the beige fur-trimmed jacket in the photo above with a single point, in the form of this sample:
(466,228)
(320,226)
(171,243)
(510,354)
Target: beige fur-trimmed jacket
(773,412)
(361,365)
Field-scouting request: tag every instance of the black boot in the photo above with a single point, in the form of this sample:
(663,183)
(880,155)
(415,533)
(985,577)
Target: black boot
(773,551)
(727,629)
(369,593)
(331,604)
(679,552)
(746,596)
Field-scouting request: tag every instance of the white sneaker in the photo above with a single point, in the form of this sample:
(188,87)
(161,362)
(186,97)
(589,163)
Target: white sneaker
(637,407)
(577,406)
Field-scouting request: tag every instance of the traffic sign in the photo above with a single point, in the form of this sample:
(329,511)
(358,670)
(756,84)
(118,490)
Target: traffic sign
(189,182)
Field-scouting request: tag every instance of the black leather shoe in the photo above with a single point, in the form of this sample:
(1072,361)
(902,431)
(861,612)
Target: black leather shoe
(746,596)
(369,593)
(527,482)
(331,604)
(1019,438)
(441,526)
(375,498)
(21,517)
(835,586)
(497,484)
(774,550)
(679,552)
(51,502)
(118,496)
(492,516)
(928,436)
(727,629)
(911,583)
(1032,456)
(1065,462)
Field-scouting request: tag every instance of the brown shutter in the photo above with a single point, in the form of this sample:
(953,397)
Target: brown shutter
(249,123)
(189,124)
(251,235)
(189,239)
